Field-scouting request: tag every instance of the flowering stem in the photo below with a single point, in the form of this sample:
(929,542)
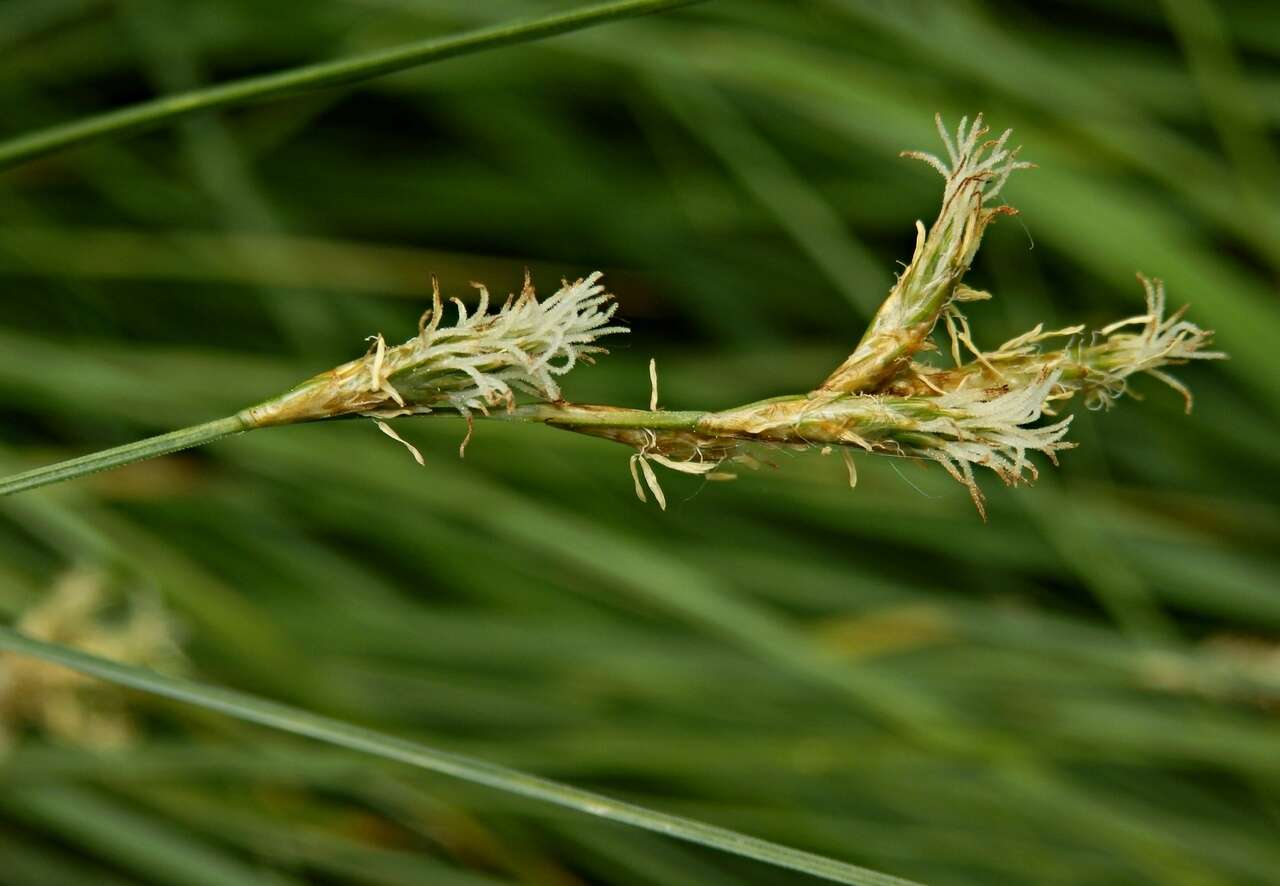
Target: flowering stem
(569,415)
(292,81)
(563,415)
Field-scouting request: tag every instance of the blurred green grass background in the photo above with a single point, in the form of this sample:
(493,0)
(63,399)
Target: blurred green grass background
(1084,689)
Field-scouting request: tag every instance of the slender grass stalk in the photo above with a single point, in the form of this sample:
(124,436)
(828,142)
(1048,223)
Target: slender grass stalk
(147,115)
(119,456)
(299,722)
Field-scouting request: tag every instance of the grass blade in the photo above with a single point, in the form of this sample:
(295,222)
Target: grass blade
(159,851)
(315,76)
(278,716)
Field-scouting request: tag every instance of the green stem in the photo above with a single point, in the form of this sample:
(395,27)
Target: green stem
(196,435)
(570,416)
(315,76)
(559,414)
(336,732)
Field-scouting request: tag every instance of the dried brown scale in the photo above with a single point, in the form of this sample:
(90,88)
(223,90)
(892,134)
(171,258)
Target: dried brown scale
(679,446)
(823,418)
(340,391)
(884,354)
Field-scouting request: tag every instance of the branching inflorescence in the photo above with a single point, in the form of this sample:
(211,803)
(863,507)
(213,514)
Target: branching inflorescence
(986,410)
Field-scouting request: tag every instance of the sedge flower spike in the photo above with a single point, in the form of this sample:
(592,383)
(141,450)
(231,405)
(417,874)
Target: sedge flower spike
(483,360)
(988,409)
(975,171)
(1098,365)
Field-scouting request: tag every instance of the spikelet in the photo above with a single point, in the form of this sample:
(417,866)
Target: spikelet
(983,427)
(1097,365)
(482,360)
(975,171)
(975,429)
(1161,340)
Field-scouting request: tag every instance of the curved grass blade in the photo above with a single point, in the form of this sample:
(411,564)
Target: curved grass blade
(315,76)
(298,722)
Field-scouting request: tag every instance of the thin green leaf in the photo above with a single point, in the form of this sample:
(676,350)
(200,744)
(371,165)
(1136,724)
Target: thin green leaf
(308,77)
(268,713)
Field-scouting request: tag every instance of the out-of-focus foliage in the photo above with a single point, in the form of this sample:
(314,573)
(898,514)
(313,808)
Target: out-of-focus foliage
(1082,690)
